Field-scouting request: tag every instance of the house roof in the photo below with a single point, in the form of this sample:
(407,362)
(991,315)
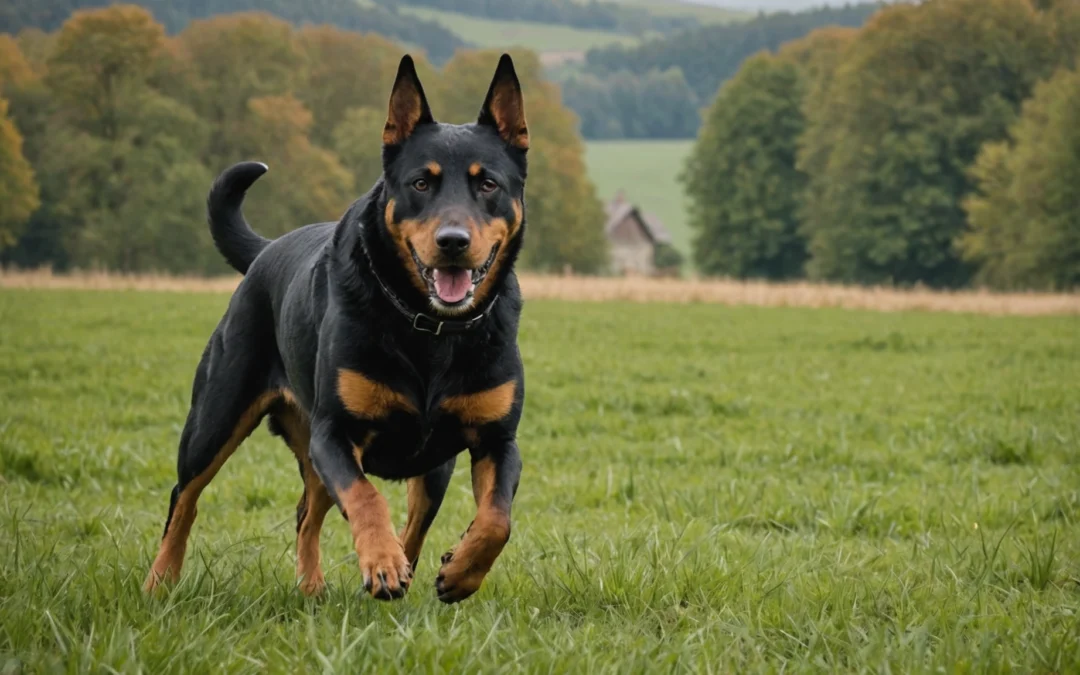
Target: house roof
(619,208)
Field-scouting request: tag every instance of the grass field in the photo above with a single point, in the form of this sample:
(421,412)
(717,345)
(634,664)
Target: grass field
(706,489)
(648,171)
(701,12)
(540,37)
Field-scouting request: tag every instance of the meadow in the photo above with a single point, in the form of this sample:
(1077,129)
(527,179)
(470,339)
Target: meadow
(706,489)
(648,171)
(704,13)
(541,37)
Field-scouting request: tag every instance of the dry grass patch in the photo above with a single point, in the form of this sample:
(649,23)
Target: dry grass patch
(603,289)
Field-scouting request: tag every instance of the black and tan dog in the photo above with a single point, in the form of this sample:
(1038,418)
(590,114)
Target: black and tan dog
(382,345)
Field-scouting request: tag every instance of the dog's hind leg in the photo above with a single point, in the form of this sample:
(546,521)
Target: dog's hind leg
(289,422)
(425,497)
(229,399)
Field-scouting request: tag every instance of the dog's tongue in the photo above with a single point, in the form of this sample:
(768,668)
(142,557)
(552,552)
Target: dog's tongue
(452,283)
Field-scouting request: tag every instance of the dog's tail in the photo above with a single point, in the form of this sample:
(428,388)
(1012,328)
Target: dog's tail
(232,235)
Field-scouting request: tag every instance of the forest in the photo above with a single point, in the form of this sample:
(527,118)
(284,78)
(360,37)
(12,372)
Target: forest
(175,15)
(113,131)
(938,145)
(616,93)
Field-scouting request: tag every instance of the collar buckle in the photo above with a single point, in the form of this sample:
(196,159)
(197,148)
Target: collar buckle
(416,324)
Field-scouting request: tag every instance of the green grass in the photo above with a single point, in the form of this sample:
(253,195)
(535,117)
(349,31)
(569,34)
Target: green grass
(705,489)
(540,37)
(648,172)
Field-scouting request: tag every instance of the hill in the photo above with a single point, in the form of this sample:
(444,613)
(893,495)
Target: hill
(505,33)
(709,55)
(701,13)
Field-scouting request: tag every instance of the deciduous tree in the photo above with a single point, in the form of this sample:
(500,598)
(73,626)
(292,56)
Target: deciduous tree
(1025,216)
(18,189)
(921,89)
(741,176)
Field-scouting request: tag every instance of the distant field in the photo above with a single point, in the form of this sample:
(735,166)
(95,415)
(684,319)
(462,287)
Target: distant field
(648,171)
(706,489)
(704,13)
(540,37)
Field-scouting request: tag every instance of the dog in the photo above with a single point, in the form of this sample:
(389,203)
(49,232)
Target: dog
(381,345)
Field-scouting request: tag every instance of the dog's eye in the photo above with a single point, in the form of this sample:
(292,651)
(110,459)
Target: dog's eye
(488,186)
(420,185)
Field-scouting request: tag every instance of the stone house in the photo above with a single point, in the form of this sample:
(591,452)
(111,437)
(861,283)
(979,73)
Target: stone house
(633,236)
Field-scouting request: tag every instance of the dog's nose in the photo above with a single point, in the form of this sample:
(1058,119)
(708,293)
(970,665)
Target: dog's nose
(452,240)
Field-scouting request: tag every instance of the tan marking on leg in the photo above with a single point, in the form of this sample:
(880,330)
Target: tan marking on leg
(315,502)
(382,558)
(170,557)
(465,567)
(482,407)
(412,537)
(367,398)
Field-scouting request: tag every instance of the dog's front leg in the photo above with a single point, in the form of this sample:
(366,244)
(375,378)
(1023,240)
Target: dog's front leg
(495,474)
(385,568)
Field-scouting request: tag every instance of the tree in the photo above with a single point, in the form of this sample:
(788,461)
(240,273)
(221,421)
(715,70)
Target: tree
(1025,216)
(343,71)
(921,89)
(18,189)
(358,142)
(100,57)
(121,159)
(15,69)
(741,177)
(306,184)
(225,62)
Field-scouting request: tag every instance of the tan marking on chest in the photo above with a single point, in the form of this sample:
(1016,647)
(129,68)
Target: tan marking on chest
(482,407)
(369,399)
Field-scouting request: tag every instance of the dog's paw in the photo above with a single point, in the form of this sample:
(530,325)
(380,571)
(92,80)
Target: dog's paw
(386,570)
(313,585)
(458,577)
(157,581)
(465,566)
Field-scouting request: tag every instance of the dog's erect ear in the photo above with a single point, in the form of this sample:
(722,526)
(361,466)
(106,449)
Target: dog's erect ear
(408,105)
(504,107)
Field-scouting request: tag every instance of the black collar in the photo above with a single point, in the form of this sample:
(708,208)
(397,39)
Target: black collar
(420,321)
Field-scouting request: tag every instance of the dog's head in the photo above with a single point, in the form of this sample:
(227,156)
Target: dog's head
(454,194)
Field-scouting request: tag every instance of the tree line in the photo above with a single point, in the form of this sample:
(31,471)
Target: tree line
(175,15)
(937,145)
(111,132)
(586,14)
(607,96)
(658,104)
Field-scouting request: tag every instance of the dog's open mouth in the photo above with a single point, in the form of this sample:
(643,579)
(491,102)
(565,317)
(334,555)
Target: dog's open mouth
(452,287)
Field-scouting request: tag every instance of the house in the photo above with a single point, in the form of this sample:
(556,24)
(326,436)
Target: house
(633,236)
